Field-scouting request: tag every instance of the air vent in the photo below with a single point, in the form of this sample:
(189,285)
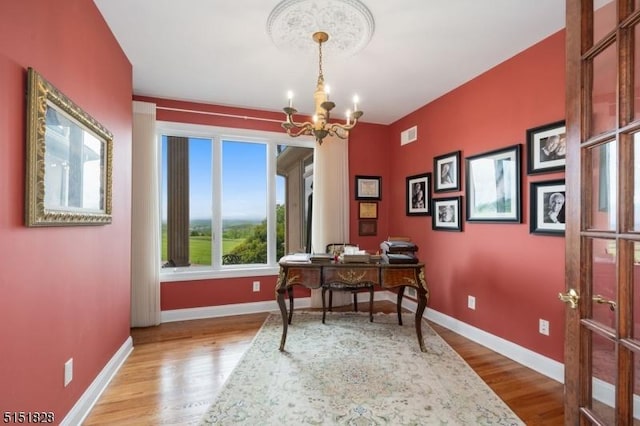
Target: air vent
(409,135)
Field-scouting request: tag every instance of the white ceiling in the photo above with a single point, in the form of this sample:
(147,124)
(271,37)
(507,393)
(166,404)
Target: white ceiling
(219,51)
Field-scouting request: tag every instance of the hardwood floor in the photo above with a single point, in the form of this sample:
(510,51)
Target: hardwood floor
(177,368)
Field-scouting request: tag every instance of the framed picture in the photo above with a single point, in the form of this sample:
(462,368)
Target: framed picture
(368,187)
(547,207)
(68,162)
(493,186)
(368,210)
(447,214)
(547,148)
(367,227)
(446,171)
(419,195)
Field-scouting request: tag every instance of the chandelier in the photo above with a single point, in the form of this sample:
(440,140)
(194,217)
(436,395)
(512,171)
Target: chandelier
(320,127)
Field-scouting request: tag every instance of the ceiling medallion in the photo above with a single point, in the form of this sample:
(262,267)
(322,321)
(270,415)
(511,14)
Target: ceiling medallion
(292,22)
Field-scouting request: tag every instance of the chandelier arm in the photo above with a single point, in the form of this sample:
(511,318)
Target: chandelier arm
(344,127)
(300,132)
(304,124)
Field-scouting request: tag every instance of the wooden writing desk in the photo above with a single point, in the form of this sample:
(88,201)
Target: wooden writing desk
(313,275)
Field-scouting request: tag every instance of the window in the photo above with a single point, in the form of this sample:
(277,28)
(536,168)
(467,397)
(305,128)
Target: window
(232,201)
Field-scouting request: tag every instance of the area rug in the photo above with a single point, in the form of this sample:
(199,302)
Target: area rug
(350,371)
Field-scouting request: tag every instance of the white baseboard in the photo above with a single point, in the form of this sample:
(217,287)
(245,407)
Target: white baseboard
(542,364)
(244,308)
(89,398)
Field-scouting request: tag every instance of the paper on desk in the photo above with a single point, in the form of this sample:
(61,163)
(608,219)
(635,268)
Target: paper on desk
(295,257)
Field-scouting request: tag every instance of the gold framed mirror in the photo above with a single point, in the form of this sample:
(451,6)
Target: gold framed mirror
(69,160)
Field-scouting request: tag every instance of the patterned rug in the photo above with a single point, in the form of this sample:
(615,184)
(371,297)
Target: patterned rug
(350,371)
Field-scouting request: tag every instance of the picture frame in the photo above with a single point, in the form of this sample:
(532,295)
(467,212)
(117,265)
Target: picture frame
(493,188)
(69,160)
(547,204)
(368,188)
(418,195)
(446,171)
(447,214)
(368,210)
(368,227)
(547,148)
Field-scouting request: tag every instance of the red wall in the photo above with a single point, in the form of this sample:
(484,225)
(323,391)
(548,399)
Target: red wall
(367,156)
(515,276)
(64,291)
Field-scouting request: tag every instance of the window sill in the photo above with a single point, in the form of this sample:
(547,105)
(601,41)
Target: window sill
(192,274)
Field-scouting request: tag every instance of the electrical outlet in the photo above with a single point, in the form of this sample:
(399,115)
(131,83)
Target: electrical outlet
(68,371)
(544,327)
(471,304)
(256,286)
(411,292)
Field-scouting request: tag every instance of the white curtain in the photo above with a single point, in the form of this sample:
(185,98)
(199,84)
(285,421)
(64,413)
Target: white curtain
(145,219)
(330,214)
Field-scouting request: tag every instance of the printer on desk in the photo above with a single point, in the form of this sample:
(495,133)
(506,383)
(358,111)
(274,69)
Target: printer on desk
(399,251)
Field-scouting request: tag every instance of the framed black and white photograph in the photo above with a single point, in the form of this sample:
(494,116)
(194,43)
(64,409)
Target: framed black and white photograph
(368,187)
(447,214)
(547,207)
(446,172)
(493,186)
(419,195)
(547,148)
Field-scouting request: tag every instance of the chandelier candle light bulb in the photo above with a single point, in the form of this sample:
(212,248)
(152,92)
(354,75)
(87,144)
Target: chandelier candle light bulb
(321,127)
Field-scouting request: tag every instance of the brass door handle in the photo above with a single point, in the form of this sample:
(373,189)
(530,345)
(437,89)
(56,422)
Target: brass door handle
(571,297)
(599,299)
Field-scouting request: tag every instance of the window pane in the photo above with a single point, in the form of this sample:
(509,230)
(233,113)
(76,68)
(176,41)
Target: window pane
(603,355)
(636,387)
(636,293)
(603,277)
(636,182)
(604,18)
(603,97)
(244,203)
(186,201)
(281,208)
(636,72)
(603,186)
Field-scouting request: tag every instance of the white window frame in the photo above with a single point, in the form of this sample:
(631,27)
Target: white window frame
(217,135)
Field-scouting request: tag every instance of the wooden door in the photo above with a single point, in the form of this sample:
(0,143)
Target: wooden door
(602,347)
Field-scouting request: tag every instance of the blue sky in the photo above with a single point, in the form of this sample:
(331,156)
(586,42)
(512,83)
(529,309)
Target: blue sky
(243,175)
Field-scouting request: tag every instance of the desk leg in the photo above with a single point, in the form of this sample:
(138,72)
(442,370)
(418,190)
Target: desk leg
(290,291)
(399,304)
(422,304)
(283,312)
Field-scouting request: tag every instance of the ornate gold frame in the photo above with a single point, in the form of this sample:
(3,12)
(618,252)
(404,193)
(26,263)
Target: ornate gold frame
(45,101)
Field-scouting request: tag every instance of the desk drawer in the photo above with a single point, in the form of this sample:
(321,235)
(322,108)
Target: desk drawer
(308,277)
(396,277)
(351,274)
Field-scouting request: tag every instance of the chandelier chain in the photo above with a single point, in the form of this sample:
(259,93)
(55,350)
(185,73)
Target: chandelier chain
(320,75)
